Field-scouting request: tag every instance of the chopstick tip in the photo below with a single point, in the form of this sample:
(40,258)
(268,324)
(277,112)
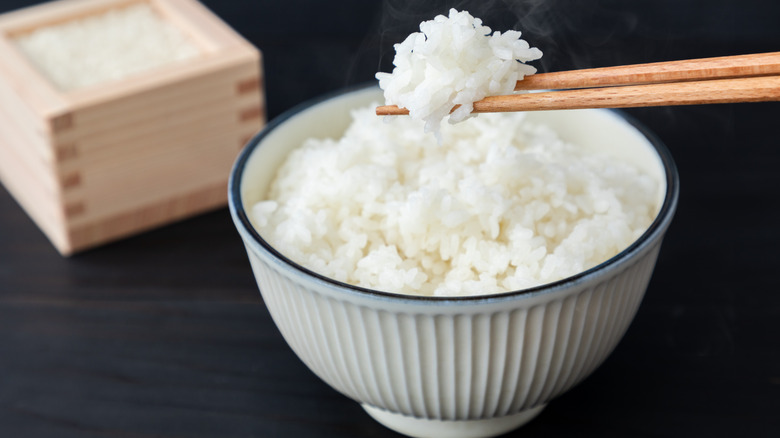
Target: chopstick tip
(391,110)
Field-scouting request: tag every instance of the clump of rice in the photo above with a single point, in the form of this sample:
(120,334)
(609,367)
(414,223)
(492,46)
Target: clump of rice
(502,205)
(103,47)
(454,60)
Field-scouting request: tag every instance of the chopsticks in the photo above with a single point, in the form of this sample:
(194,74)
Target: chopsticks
(727,79)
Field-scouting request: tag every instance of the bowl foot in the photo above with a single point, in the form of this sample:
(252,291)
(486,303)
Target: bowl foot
(424,428)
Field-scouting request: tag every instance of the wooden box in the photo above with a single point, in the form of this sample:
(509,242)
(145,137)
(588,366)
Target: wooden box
(103,162)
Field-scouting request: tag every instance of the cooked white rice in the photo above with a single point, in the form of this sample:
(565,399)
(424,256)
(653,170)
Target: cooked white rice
(106,46)
(454,60)
(503,204)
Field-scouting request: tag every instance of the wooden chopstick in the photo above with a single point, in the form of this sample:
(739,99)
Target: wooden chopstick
(724,67)
(730,79)
(758,89)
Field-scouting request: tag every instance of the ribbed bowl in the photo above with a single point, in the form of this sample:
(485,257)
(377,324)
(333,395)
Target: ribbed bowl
(473,366)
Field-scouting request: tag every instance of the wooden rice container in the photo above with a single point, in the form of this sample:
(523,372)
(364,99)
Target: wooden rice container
(104,162)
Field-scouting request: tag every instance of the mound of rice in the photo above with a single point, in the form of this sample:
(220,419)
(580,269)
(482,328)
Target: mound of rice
(454,61)
(502,205)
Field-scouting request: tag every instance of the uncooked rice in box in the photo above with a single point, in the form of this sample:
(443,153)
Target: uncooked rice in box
(103,47)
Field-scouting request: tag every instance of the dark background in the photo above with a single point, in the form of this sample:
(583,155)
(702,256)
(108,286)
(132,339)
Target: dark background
(165,335)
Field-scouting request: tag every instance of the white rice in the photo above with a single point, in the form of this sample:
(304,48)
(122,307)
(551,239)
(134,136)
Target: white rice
(453,61)
(503,204)
(103,47)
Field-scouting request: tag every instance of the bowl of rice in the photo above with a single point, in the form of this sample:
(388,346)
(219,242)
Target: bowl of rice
(452,288)
(452,278)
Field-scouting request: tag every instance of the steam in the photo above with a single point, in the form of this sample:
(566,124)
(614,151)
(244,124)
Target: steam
(571,34)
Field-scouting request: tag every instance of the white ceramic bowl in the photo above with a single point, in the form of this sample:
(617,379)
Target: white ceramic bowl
(451,367)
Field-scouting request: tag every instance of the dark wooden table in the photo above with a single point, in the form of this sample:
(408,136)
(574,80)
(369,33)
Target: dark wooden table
(165,335)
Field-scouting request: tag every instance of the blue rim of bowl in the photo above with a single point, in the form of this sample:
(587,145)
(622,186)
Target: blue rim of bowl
(658,226)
